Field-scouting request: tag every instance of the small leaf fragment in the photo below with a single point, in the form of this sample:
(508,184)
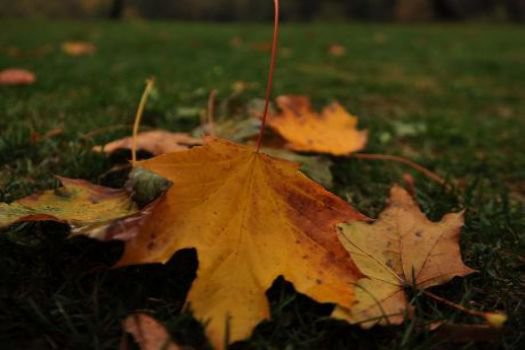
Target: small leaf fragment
(149,333)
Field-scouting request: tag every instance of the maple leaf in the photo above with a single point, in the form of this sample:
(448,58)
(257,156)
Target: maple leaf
(16,76)
(155,141)
(401,249)
(149,333)
(333,131)
(78,203)
(251,219)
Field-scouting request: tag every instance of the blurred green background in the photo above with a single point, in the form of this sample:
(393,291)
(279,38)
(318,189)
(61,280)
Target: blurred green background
(230,10)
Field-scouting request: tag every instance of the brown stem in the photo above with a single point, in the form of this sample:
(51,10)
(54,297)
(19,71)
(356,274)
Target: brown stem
(104,130)
(420,168)
(453,305)
(270,73)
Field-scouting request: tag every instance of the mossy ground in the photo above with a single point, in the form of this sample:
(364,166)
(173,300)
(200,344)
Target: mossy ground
(451,97)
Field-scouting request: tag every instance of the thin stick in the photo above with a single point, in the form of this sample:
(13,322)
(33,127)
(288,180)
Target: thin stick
(420,168)
(270,73)
(138,116)
(494,319)
(104,130)
(211,112)
(453,305)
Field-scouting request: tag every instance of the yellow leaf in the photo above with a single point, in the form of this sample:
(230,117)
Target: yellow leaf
(251,219)
(79,203)
(333,131)
(402,248)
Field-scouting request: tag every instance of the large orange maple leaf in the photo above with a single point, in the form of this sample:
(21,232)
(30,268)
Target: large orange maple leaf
(251,219)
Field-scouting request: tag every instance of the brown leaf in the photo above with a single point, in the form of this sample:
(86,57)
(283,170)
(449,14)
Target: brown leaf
(16,76)
(400,249)
(149,333)
(155,141)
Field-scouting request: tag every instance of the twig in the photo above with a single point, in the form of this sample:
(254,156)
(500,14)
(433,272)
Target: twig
(453,305)
(95,132)
(494,319)
(420,168)
(270,73)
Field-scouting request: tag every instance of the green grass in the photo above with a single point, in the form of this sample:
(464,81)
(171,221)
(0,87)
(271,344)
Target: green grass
(451,97)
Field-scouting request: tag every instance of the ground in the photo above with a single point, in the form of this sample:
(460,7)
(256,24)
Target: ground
(450,97)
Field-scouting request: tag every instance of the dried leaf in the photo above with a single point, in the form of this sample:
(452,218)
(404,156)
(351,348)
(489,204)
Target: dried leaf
(16,76)
(156,142)
(402,248)
(149,333)
(78,203)
(78,48)
(251,219)
(333,131)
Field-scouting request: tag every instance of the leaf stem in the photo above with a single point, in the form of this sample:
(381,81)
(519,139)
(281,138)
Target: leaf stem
(453,305)
(270,73)
(138,116)
(431,175)
(494,319)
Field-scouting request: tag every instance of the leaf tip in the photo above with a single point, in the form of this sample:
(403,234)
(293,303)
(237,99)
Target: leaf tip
(495,319)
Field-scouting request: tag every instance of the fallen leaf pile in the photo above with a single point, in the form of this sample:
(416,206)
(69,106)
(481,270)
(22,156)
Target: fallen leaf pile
(401,249)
